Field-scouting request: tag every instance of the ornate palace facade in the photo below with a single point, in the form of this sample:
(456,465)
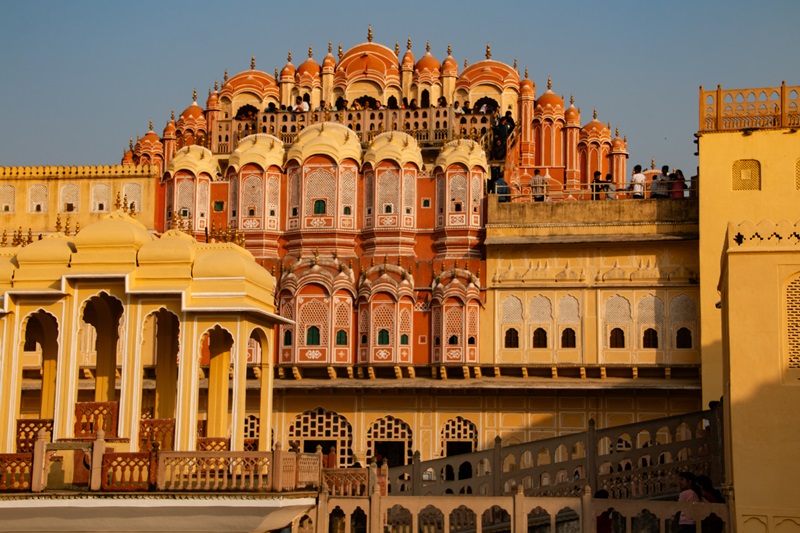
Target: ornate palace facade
(417,311)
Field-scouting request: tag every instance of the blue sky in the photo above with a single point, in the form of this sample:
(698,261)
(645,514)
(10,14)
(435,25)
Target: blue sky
(78,78)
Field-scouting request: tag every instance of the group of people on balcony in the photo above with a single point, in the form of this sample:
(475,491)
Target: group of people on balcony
(664,185)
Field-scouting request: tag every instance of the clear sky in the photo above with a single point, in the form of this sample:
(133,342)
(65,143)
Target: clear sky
(78,78)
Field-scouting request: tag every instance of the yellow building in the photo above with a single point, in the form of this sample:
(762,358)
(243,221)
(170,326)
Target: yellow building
(749,196)
(166,317)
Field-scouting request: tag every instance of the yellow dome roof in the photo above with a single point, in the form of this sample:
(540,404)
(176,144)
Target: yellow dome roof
(395,146)
(116,230)
(173,247)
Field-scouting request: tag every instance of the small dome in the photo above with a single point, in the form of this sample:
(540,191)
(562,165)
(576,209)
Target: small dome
(572,114)
(428,62)
(150,137)
(618,144)
(127,159)
(329,62)
(408,60)
(117,230)
(549,98)
(309,66)
(54,249)
(449,66)
(288,69)
(194,111)
(169,130)
(213,101)
(596,126)
(526,87)
(173,247)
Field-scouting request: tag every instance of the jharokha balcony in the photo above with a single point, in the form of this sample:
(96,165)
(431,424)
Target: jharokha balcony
(432,127)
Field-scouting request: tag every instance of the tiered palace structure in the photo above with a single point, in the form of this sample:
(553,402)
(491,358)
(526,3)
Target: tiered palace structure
(412,310)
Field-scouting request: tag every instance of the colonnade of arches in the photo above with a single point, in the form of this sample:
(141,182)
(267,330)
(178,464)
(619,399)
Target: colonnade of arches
(139,378)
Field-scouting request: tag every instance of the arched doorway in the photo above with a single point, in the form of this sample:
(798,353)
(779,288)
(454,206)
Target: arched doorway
(160,352)
(327,429)
(104,313)
(41,342)
(215,360)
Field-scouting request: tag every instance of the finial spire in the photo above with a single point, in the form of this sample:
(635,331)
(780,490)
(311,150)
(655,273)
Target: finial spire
(397,48)
(225,77)
(526,73)
(515,63)
(330,47)
(310,52)
(616,132)
(369,33)
(449,50)
(572,99)
(428,47)
(151,125)
(488,51)
(549,83)
(408,44)
(130,143)
(340,52)
(216,85)
(194,96)
(289,57)
(276,73)
(252,62)
(594,114)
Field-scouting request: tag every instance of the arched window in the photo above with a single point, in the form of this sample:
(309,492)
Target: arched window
(404,339)
(568,338)
(617,338)
(650,338)
(683,338)
(387,209)
(363,339)
(512,338)
(319,207)
(453,339)
(341,338)
(471,341)
(312,336)
(383,337)
(287,337)
(347,210)
(540,338)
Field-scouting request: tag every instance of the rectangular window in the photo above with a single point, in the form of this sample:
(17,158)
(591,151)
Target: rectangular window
(69,207)
(219,206)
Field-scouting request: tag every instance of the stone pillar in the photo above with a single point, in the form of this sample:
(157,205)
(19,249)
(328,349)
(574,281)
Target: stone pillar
(98,450)
(218,379)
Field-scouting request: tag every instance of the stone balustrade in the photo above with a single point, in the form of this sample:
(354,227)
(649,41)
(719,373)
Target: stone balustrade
(752,108)
(640,460)
(430,127)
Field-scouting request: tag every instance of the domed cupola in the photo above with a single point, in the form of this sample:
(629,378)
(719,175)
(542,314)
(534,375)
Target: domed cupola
(309,67)
(288,70)
(408,57)
(549,98)
(449,65)
(329,63)
(428,62)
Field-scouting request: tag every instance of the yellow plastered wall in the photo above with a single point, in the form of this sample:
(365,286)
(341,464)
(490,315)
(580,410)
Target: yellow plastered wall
(777,152)
(762,392)
(515,417)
